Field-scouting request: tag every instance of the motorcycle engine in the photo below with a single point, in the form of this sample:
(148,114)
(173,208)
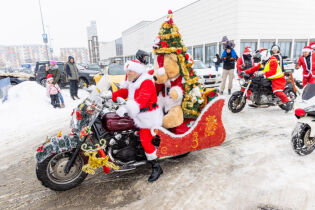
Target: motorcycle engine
(264,99)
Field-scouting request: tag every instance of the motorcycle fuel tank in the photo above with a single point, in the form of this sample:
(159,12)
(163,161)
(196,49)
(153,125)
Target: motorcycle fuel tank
(112,122)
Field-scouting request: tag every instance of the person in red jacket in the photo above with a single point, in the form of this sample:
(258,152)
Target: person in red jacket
(246,61)
(307,60)
(272,71)
(142,107)
(312,45)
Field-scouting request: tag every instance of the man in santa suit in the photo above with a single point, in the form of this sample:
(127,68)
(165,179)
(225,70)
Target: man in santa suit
(142,107)
(246,61)
(272,70)
(307,61)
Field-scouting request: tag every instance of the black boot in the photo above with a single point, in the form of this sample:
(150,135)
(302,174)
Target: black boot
(73,97)
(77,97)
(289,106)
(156,171)
(229,91)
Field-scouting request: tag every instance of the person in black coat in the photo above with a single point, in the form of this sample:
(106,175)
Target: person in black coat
(217,61)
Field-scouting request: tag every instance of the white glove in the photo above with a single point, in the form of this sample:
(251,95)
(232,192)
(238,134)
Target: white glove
(107,95)
(258,73)
(120,100)
(121,111)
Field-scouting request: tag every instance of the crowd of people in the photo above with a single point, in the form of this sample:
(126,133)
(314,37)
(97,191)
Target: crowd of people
(246,61)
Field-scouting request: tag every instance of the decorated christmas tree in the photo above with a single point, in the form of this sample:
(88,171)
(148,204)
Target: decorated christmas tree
(169,40)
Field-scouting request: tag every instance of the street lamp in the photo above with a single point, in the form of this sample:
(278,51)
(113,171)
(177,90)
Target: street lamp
(45,38)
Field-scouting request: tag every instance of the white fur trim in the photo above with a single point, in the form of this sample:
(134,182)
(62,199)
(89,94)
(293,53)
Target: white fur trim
(192,127)
(151,156)
(313,46)
(49,79)
(149,119)
(306,50)
(161,71)
(277,91)
(123,84)
(133,65)
(133,108)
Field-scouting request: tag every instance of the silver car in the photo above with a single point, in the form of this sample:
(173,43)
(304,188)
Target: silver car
(208,77)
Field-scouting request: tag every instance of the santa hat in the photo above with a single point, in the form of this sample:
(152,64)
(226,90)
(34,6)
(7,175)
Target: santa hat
(307,49)
(312,45)
(49,77)
(135,65)
(247,50)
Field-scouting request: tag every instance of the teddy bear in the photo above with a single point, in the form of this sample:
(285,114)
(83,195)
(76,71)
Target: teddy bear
(169,85)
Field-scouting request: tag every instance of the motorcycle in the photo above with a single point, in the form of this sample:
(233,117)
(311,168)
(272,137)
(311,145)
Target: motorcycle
(262,94)
(100,138)
(303,141)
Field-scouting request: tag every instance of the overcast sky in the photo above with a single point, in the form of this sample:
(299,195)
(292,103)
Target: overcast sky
(67,20)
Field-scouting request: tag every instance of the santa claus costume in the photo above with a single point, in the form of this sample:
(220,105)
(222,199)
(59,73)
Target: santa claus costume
(308,65)
(246,61)
(142,107)
(273,71)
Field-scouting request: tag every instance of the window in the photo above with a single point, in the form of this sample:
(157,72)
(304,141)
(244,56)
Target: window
(285,48)
(297,50)
(211,50)
(252,44)
(198,53)
(266,44)
(189,50)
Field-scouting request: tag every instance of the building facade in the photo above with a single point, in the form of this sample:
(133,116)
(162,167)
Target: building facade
(15,55)
(93,44)
(247,22)
(80,54)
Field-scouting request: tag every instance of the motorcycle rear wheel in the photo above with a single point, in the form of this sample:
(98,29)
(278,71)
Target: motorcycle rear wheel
(234,102)
(301,141)
(51,172)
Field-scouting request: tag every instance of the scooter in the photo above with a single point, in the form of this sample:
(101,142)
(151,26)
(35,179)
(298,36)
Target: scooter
(303,135)
(101,138)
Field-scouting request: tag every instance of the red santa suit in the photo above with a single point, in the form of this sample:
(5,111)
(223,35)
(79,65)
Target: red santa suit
(278,84)
(163,90)
(141,105)
(308,65)
(247,64)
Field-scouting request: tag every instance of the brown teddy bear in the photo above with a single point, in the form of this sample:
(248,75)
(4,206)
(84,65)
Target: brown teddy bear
(169,85)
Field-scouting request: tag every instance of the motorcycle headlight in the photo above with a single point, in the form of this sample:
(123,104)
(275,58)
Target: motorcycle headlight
(92,75)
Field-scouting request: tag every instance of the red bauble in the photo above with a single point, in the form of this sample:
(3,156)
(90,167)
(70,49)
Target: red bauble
(179,51)
(187,56)
(191,72)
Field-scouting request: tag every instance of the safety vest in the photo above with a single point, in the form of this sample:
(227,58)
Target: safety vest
(279,72)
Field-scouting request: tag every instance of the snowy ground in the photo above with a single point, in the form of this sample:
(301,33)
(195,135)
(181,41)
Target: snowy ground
(254,168)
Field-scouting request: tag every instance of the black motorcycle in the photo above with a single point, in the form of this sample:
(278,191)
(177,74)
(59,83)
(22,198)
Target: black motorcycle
(262,94)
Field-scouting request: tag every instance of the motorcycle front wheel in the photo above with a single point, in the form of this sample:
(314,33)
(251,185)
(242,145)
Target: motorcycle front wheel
(302,143)
(51,172)
(235,100)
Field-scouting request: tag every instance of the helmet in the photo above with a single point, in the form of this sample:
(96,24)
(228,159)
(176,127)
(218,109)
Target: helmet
(275,49)
(262,55)
(142,56)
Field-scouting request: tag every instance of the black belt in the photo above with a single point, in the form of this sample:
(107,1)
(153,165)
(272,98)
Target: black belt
(148,108)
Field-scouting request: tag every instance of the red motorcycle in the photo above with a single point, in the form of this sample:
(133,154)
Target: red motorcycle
(100,138)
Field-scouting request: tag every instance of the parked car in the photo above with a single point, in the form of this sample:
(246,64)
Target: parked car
(15,76)
(93,67)
(116,74)
(288,65)
(208,77)
(85,76)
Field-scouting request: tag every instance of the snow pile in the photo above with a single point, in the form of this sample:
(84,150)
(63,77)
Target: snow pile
(27,117)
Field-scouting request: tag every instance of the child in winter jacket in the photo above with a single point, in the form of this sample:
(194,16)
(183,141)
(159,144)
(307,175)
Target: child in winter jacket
(52,91)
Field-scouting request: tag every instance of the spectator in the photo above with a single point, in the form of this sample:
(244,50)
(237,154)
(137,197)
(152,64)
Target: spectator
(217,61)
(228,57)
(54,71)
(73,76)
(246,61)
(275,51)
(52,91)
